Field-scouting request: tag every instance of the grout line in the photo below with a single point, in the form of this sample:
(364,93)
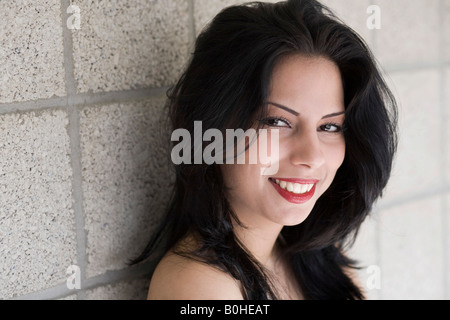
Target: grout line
(446,245)
(443,148)
(83,99)
(74,127)
(378,255)
(75,154)
(52,293)
(192,24)
(74,100)
(373,32)
(107,278)
(413,197)
(118,96)
(33,105)
(126,274)
(68,51)
(377,215)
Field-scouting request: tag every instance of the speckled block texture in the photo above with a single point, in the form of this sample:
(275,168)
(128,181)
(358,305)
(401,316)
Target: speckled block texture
(126,180)
(447,120)
(365,251)
(31,50)
(409,33)
(421,112)
(446,37)
(205,10)
(411,244)
(85,172)
(130,44)
(37,228)
(447,239)
(356,18)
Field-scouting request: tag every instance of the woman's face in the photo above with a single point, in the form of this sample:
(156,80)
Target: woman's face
(306,106)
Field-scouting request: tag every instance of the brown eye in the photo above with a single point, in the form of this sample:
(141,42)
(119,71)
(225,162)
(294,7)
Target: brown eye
(275,122)
(331,127)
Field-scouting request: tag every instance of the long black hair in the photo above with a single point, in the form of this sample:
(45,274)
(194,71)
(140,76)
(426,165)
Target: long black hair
(224,86)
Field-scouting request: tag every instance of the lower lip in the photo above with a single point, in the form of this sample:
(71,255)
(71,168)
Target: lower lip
(292,197)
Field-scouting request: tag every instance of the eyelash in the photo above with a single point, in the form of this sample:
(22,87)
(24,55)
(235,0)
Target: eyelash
(339,128)
(276,118)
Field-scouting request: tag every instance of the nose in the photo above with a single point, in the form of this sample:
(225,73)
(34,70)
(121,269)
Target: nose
(307,150)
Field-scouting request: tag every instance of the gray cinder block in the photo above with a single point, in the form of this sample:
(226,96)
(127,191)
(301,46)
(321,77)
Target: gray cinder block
(126,45)
(31,50)
(37,228)
(125,180)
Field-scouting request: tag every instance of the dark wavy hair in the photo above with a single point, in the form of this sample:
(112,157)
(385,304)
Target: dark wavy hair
(225,84)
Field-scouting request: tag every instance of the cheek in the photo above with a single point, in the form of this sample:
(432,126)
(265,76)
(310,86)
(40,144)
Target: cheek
(241,179)
(229,175)
(336,155)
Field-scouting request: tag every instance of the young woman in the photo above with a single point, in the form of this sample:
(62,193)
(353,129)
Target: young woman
(230,232)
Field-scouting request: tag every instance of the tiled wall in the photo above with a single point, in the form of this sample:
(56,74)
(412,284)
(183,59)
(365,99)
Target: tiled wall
(82,175)
(408,236)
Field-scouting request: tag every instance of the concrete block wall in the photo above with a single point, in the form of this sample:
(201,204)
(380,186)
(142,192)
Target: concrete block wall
(83,178)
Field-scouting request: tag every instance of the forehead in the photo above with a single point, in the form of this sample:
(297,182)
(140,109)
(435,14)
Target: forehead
(307,84)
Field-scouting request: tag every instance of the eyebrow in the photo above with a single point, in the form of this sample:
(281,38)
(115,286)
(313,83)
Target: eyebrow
(331,115)
(295,113)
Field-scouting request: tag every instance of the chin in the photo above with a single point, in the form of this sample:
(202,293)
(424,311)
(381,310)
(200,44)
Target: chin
(293,217)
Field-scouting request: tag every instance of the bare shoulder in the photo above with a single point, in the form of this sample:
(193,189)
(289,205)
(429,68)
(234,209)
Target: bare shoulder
(181,278)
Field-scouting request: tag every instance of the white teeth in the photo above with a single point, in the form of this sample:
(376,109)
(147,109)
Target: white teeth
(303,188)
(296,188)
(290,187)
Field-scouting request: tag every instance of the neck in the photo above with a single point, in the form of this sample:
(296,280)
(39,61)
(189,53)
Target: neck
(260,241)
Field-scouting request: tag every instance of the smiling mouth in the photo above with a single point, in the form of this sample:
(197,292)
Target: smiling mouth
(296,191)
(293,187)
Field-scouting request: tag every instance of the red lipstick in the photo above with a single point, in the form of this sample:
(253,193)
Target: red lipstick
(292,197)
